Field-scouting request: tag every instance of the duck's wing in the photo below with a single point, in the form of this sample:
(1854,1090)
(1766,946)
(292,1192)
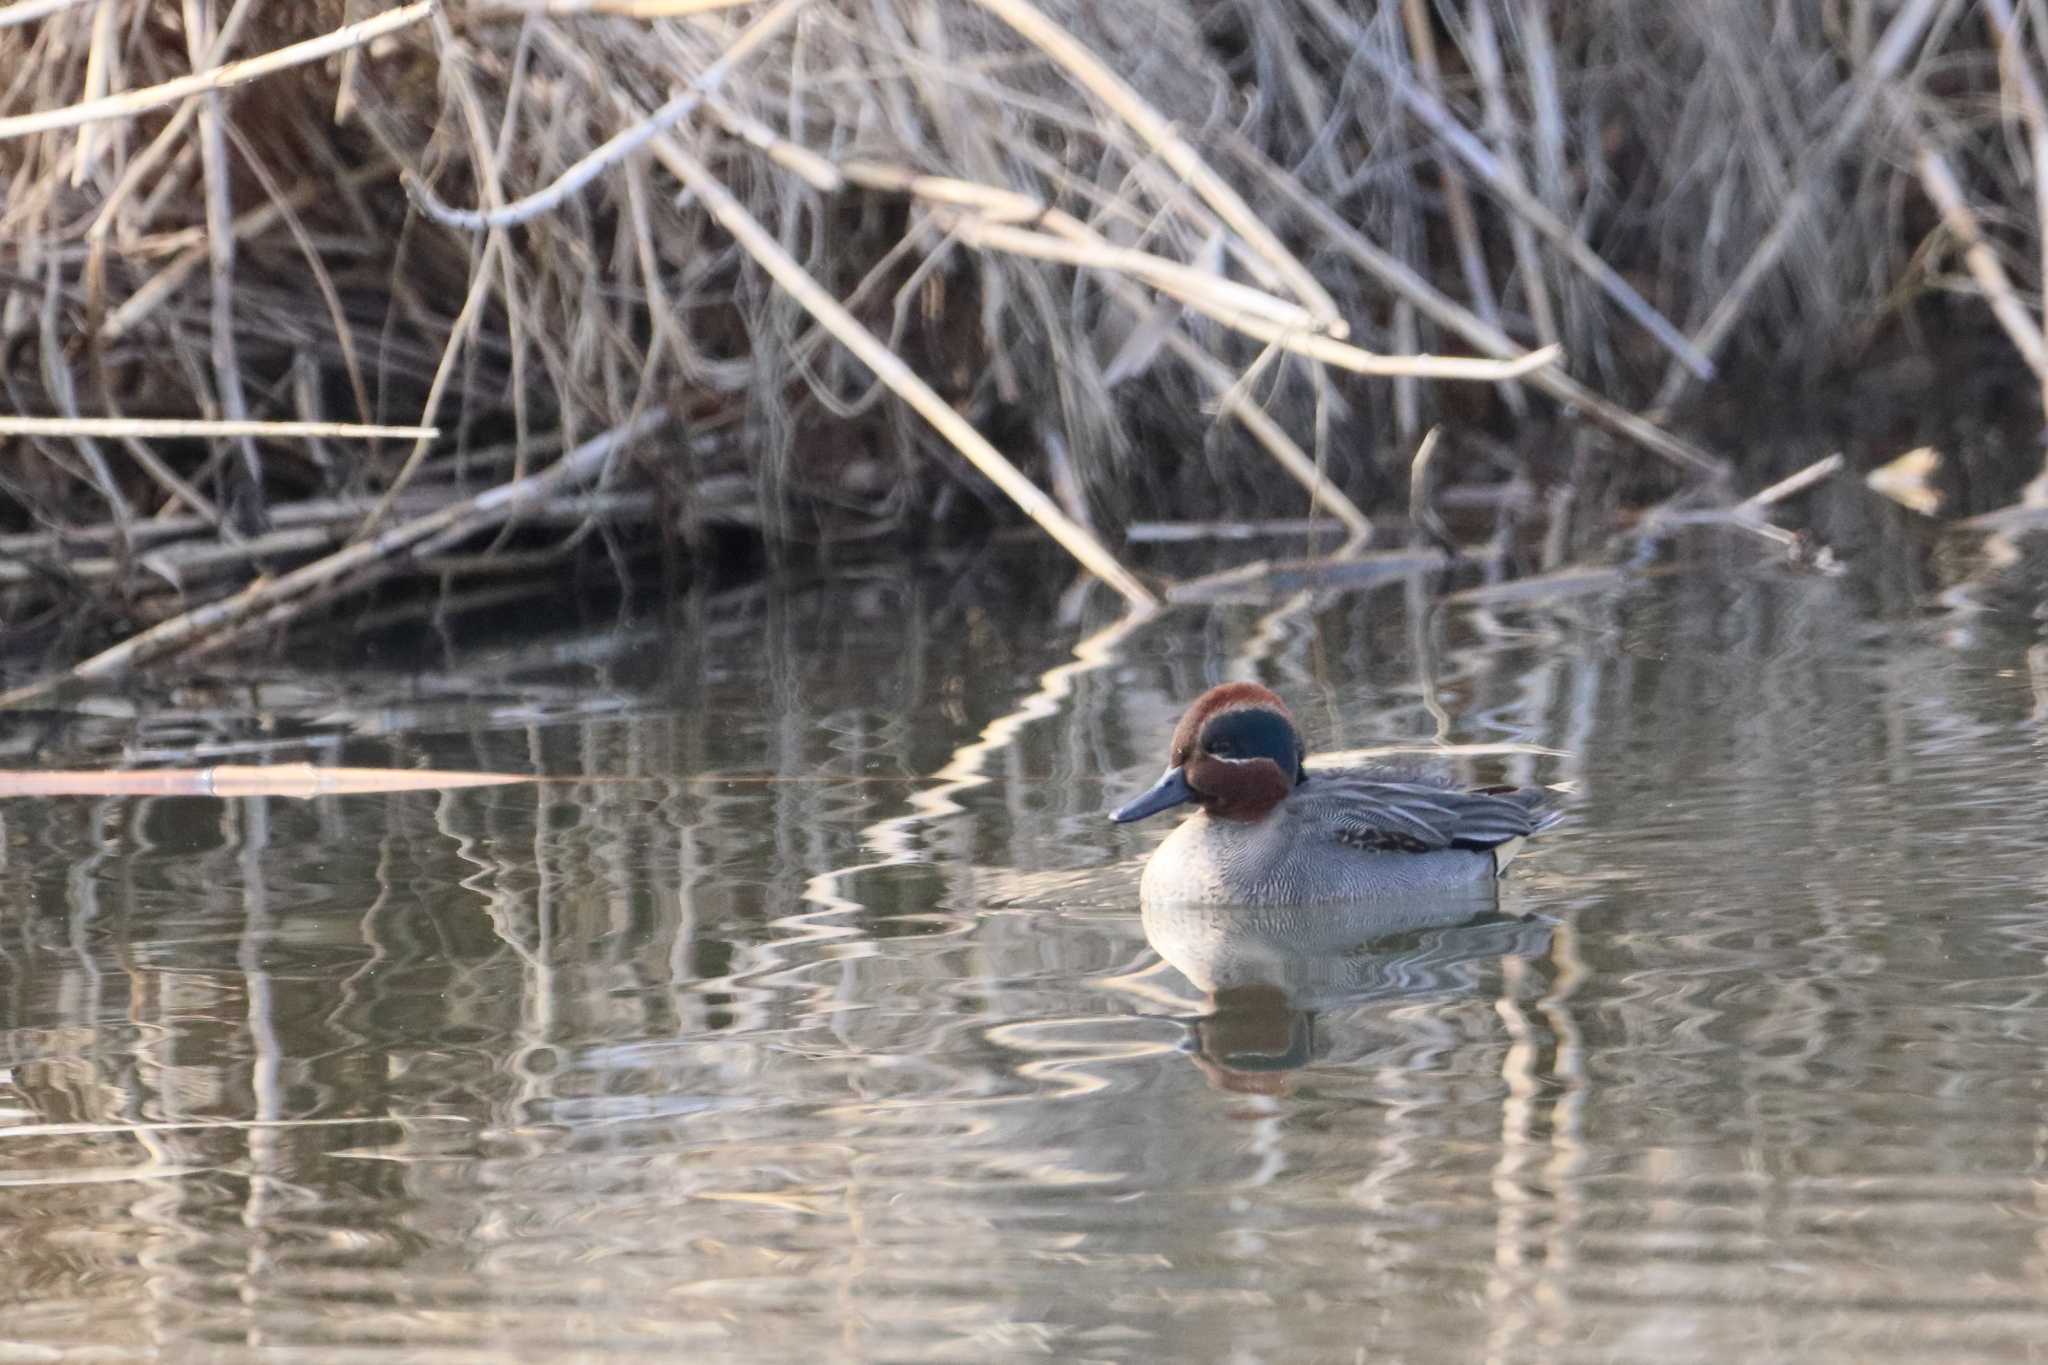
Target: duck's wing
(1384,815)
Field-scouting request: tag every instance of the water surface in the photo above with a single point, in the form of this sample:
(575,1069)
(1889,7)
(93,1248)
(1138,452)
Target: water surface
(812,1016)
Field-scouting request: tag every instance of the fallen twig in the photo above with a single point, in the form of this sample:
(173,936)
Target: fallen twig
(132,102)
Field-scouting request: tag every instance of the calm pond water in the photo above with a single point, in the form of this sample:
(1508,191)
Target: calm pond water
(812,1016)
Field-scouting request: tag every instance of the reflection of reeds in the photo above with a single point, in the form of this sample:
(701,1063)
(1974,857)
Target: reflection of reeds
(506,1035)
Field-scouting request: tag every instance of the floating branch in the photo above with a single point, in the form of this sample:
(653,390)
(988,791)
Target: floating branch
(300,780)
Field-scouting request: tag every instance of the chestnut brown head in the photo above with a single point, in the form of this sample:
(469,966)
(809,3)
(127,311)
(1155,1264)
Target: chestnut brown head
(1235,753)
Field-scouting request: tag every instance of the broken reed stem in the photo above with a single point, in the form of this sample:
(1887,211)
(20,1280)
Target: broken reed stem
(1792,484)
(890,369)
(617,147)
(1942,188)
(133,102)
(1422,514)
(1199,288)
(272,595)
(1092,74)
(1255,313)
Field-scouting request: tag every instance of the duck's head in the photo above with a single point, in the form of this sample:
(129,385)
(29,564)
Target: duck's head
(1236,754)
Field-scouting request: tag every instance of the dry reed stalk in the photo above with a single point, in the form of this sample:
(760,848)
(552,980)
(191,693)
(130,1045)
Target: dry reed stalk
(1089,71)
(1446,312)
(620,145)
(146,428)
(2015,68)
(1198,288)
(28,11)
(220,244)
(1488,68)
(132,102)
(1871,81)
(1251,311)
(1939,180)
(901,379)
(283,592)
(1345,356)
(1469,149)
(1458,210)
(1000,205)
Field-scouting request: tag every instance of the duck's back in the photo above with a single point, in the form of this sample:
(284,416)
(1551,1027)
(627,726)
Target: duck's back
(1348,833)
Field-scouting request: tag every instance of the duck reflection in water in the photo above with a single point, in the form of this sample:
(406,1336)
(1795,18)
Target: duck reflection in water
(1269,971)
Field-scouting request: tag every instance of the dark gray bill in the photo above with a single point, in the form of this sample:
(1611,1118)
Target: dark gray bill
(1169,791)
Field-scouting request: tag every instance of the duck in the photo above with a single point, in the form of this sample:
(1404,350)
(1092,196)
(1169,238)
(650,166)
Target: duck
(1270,830)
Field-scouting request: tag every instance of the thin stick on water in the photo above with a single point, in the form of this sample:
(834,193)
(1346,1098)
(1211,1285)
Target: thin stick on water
(132,102)
(1421,512)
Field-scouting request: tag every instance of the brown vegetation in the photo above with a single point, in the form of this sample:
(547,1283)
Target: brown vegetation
(536,272)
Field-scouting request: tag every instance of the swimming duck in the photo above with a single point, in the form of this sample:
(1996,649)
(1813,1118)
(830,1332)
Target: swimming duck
(1271,831)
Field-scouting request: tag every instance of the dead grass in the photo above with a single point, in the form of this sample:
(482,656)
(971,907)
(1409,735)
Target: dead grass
(866,253)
